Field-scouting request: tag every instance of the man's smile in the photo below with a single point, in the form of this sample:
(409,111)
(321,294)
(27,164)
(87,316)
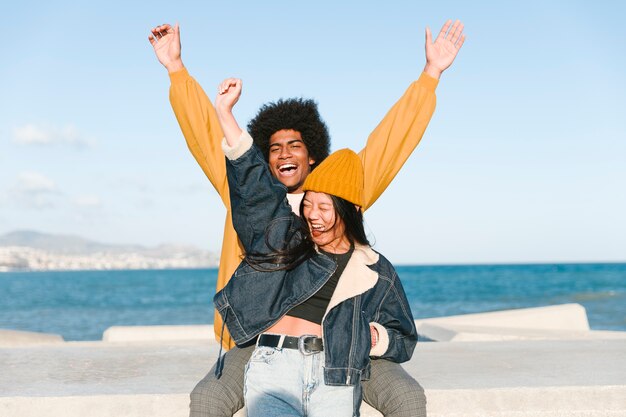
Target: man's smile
(287,169)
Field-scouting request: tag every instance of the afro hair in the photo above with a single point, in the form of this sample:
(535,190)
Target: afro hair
(291,114)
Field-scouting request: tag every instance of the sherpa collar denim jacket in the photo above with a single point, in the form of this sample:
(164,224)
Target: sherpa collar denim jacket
(368,291)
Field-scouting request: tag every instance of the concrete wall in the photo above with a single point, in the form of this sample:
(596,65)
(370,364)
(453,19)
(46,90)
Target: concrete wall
(522,378)
(22,338)
(557,317)
(555,322)
(516,370)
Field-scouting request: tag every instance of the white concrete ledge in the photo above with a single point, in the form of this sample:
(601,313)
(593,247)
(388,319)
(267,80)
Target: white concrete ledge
(557,317)
(488,379)
(21,338)
(96,406)
(545,363)
(449,332)
(552,322)
(158,333)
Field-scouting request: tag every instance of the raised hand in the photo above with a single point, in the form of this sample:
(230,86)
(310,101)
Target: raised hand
(165,40)
(228,93)
(441,53)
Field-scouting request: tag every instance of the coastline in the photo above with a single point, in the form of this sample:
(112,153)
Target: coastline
(80,305)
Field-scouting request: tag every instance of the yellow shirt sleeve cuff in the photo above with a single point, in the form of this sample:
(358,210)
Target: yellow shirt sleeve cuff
(428,81)
(179,76)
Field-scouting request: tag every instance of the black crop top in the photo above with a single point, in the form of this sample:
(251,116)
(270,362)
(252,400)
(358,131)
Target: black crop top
(313,309)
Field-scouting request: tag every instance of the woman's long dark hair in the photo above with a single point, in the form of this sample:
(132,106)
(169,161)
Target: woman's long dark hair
(299,246)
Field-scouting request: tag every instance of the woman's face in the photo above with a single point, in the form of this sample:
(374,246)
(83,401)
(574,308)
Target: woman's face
(327,229)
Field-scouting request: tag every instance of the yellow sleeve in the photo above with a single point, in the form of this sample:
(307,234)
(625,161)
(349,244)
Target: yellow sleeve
(396,136)
(198,121)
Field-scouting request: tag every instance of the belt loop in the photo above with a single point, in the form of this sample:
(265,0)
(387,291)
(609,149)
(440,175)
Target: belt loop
(281,341)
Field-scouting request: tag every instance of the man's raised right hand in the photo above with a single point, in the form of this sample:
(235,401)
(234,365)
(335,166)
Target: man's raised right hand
(165,40)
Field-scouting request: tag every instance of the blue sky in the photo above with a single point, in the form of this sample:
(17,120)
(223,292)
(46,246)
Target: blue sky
(524,159)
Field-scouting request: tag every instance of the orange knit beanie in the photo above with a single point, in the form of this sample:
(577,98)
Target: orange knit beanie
(340,174)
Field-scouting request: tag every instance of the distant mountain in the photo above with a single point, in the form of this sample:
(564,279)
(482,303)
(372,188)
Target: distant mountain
(31,250)
(60,243)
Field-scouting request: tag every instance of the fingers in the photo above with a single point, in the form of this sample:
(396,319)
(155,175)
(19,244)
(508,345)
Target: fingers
(460,43)
(429,36)
(156,34)
(160,31)
(225,85)
(456,32)
(444,29)
(228,83)
(152,40)
(453,30)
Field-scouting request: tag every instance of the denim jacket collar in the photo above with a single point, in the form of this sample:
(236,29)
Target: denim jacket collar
(357,277)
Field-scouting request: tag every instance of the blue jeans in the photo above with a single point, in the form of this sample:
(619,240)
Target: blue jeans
(285,383)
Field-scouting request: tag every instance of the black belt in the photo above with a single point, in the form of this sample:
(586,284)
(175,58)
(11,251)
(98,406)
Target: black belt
(307,344)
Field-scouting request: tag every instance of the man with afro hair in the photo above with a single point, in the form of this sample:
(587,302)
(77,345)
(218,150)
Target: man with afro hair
(298,114)
(292,151)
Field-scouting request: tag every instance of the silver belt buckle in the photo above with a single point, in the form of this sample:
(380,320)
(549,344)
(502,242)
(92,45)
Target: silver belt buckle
(301,344)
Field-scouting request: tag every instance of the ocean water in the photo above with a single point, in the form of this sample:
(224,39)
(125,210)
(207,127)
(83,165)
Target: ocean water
(81,305)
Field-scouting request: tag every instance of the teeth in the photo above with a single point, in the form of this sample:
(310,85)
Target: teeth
(286,166)
(317,226)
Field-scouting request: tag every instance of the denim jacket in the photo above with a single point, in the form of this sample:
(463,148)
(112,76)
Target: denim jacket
(368,292)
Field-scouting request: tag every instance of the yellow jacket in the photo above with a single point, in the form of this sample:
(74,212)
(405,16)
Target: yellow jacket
(387,149)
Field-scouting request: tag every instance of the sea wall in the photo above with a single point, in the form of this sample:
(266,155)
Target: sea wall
(549,377)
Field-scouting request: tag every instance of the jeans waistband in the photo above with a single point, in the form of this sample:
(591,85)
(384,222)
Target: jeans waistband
(307,344)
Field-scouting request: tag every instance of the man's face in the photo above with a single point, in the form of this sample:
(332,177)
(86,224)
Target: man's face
(289,159)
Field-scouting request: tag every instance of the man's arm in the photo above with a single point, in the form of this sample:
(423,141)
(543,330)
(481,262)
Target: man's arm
(396,136)
(193,109)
